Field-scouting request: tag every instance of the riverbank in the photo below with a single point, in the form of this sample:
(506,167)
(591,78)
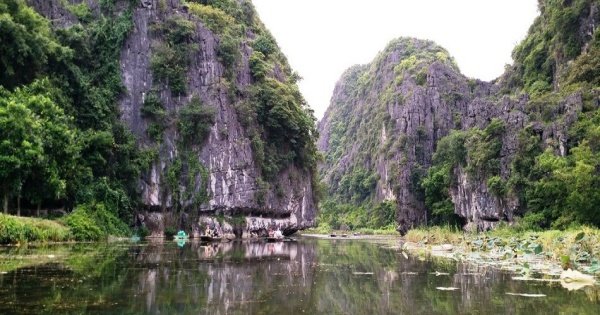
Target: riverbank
(16,230)
(530,254)
(389,230)
(525,252)
(85,223)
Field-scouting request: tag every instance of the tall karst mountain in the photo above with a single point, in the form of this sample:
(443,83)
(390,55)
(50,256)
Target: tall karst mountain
(211,102)
(411,130)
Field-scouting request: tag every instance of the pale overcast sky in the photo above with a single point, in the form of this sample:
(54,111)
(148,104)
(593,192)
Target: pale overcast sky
(322,38)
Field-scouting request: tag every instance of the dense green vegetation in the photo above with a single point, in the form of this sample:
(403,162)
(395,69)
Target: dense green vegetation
(343,216)
(475,150)
(62,143)
(554,189)
(19,229)
(86,223)
(554,39)
(171,56)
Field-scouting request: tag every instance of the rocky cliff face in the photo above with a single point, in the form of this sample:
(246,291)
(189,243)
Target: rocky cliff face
(404,102)
(386,118)
(212,171)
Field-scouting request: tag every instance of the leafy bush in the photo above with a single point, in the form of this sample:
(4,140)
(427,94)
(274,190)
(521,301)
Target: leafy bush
(82,226)
(483,149)
(259,68)
(142,232)
(213,18)
(497,186)
(93,222)
(450,153)
(170,232)
(171,55)
(195,122)
(554,39)
(264,44)
(19,229)
(153,110)
(229,53)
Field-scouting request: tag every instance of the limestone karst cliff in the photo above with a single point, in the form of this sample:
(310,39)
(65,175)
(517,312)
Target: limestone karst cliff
(212,101)
(382,133)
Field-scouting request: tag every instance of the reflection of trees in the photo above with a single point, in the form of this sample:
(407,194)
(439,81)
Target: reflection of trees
(56,288)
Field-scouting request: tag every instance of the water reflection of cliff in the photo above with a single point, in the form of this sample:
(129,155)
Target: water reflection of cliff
(221,278)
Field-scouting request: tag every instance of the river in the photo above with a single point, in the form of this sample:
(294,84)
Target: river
(309,276)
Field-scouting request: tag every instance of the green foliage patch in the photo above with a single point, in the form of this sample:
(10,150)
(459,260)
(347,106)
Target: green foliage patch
(19,230)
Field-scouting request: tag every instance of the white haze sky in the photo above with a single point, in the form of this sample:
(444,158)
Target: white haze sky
(322,38)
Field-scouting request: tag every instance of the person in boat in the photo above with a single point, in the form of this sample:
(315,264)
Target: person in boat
(278,234)
(208,231)
(271,232)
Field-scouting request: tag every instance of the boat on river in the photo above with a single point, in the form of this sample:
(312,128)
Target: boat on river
(206,238)
(275,239)
(181,236)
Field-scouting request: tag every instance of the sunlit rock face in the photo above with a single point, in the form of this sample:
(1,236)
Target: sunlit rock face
(229,177)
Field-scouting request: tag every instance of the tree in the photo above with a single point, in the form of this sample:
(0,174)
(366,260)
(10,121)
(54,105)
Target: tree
(27,43)
(20,146)
(38,146)
(48,178)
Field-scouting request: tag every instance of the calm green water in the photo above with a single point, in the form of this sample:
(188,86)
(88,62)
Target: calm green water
(305,277)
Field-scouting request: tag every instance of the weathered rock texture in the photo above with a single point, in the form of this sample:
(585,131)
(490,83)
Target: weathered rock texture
(233,182)
(386,118)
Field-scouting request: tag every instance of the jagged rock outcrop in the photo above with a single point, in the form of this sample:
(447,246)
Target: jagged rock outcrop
(406,100)
(217,175)
(386,118)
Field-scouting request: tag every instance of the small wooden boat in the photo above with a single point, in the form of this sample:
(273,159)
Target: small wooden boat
(344,235)
(333,235)
(275,239)
(206,238)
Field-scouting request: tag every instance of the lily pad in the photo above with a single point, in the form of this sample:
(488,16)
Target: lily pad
(526,294)
(575,280)
(447,288)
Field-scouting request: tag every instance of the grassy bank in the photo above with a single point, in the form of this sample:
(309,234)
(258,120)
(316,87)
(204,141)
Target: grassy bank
(21,229)
(85,223)
(573,248)
(326,229)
